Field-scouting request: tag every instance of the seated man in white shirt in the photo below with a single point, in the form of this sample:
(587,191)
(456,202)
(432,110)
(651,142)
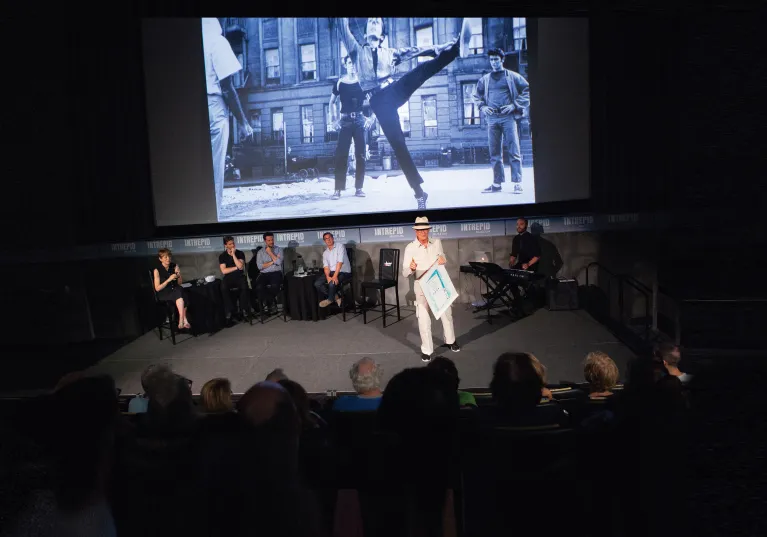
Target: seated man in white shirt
(337,268)
(420,255)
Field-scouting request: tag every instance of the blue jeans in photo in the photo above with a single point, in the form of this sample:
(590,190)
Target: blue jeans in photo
(218,119)
(502,131)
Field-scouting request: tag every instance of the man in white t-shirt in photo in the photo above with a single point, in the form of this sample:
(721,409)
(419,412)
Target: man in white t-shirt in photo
(220,65)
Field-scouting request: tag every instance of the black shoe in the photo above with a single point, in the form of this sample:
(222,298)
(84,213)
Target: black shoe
(425,358)
(492,189)
(336,195)
(422,200)
(455,347)
(359,193)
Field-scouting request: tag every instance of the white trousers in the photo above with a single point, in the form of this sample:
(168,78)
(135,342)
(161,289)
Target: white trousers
(218,118)
(422,311)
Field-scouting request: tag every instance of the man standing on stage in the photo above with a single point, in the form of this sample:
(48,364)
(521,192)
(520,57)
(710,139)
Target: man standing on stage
(420,255)
(232,265)
(503,96)
(375,66)
(335,263)
(220,65)
(525,252)
(269,261)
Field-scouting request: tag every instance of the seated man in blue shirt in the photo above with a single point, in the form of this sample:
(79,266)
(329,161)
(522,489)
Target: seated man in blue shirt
(366,377)
(269,261)
(338,270)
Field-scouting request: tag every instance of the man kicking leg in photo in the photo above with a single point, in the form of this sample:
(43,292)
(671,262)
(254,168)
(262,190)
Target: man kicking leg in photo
(375,66)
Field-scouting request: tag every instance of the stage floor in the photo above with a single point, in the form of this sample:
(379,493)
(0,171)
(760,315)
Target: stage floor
(319,355)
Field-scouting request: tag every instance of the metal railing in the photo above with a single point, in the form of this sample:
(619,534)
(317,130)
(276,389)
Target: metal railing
(624,280)
(747,313)
(679,307)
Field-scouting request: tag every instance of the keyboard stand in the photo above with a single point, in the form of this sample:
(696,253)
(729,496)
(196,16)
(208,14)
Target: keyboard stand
(498,287)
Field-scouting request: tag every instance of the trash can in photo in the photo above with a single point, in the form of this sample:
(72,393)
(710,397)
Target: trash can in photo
(386,163)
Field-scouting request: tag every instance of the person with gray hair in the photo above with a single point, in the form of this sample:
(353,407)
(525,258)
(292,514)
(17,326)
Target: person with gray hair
(366,376)
(140,403)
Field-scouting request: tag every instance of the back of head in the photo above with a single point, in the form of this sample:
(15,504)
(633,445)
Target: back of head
(366,375)
(667,352)
(269,407)
(300,399)
(419,410)
(259,484)
(272,431)
(216,395)
(170,402)
(600,372)
(149,372)
(446,366)
(516,384)
(419,402)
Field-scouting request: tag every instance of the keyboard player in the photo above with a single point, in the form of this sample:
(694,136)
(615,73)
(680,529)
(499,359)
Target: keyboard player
(525,252)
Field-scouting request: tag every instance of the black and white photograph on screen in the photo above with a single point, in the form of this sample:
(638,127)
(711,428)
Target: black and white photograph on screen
(334,116)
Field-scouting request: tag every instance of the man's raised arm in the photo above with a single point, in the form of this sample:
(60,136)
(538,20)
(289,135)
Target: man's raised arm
(347,36)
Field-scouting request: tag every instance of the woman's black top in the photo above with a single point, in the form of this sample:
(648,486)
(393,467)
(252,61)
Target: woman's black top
(167,292)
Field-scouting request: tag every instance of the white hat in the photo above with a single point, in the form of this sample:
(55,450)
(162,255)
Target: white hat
(421,222)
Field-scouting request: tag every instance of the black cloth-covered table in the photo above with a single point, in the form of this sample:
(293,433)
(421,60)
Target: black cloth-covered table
(206,307)
(303,301)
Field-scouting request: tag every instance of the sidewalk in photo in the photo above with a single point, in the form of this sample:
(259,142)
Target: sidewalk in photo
(448,188)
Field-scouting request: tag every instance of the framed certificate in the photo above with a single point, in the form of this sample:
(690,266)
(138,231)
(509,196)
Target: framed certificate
(438,289)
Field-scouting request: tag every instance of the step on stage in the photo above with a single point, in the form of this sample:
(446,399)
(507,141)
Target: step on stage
(319,354)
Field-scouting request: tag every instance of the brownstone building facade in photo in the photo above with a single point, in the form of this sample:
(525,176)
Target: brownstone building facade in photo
(290,67)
